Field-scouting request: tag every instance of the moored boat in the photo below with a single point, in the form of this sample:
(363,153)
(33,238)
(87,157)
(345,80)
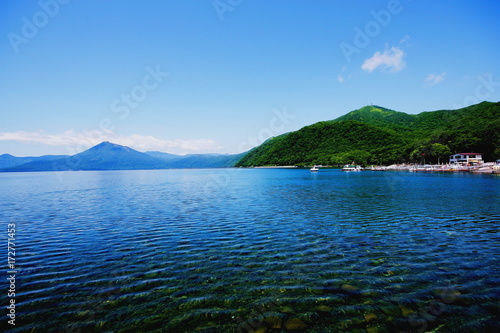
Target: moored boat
(378,168)
(352,167)
(487,169)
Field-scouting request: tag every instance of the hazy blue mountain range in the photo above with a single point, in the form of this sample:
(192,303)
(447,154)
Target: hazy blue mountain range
(109,156)
(9,161)
(197,160)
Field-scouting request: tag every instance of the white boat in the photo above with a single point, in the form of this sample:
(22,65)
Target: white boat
(314,169)
(351,167)
(486,169)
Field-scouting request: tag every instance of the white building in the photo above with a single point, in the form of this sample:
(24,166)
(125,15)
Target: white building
(466,158)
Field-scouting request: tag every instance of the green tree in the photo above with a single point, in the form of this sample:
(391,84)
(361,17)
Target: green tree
(439,152)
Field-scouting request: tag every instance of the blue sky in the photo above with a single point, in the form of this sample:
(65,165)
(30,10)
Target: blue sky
(198,76)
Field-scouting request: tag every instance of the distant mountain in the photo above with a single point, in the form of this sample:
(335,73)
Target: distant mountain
(104,156)
(376,135)
(9,161)
(198,160)
(109,156)
(211,160)
(164,156)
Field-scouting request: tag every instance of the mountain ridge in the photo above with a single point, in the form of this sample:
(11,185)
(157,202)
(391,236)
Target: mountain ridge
(377,135)
(9,161)
(110,156)
(104,156)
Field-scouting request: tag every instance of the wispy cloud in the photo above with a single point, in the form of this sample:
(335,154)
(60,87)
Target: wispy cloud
(433,79)
(147,142)
(391,59)
(405,40)
(88,139)
(342,77)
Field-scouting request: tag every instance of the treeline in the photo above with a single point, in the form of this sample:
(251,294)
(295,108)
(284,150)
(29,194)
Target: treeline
(375,135)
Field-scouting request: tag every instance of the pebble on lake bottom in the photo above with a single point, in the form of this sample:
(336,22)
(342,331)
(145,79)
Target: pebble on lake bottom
(295,325)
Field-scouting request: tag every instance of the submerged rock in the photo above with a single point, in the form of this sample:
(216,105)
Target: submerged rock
(405,311)
(286,309)
(352,323)
(391,310)
(324,309)
(260,330)
(273,321)
(349,289)
(370,317)
(295,325)
(252,326)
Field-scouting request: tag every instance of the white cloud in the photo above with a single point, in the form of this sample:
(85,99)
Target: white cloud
(79,141)
(391,59)
(68,138)
(433,79)
(148,142)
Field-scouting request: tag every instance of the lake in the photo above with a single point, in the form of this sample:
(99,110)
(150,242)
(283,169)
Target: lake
(252,250)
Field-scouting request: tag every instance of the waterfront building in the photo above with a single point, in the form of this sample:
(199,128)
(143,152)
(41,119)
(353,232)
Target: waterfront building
(468,158)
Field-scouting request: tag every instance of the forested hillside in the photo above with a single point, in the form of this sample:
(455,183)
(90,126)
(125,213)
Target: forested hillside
(376,135)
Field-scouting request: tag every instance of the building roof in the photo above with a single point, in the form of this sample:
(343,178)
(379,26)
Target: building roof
(468,154)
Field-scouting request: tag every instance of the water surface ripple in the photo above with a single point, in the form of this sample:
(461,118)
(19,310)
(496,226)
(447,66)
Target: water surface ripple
(254,250)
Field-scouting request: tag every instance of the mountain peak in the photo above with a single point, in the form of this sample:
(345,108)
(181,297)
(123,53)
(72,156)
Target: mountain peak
(375,108)
(106,144)
(109,146)
(375,115)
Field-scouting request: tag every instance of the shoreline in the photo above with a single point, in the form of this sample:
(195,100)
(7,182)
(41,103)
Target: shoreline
(277,167)
(486,168)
